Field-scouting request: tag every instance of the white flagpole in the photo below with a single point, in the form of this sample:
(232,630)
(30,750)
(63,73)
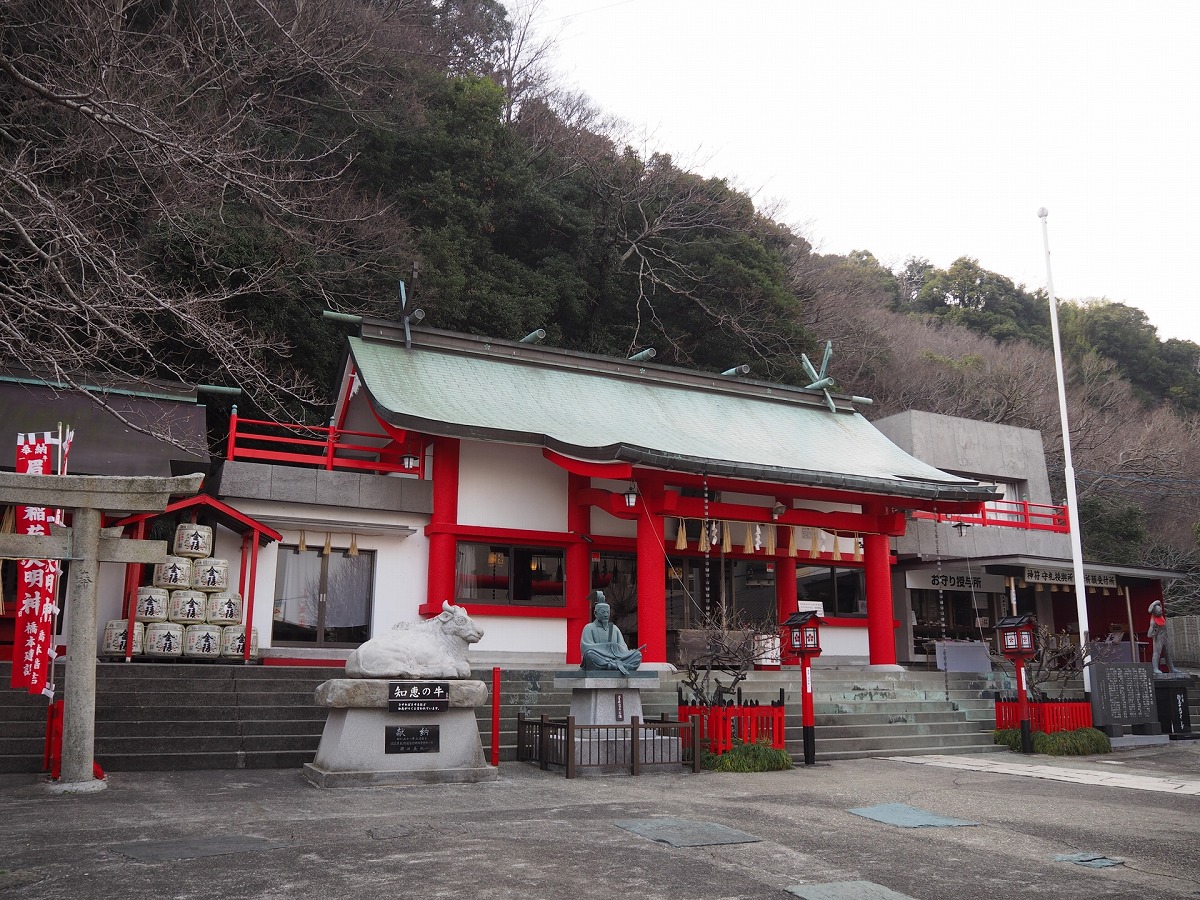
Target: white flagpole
(1069,473)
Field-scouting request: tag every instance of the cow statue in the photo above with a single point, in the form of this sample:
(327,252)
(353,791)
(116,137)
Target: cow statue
(433,648)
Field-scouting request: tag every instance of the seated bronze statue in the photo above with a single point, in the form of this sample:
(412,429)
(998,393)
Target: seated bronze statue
(602,647)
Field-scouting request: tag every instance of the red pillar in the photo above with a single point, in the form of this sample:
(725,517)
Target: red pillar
(786,595)
(579,565)
(442,545)
(652,573)
(881,636)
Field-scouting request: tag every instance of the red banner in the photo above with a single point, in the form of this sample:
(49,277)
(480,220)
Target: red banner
(37,579)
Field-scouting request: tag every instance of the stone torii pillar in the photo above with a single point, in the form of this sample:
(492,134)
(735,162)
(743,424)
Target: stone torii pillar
(86,545)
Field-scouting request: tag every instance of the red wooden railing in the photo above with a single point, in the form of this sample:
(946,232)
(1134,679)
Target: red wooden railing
(720,725)
(1010,514)
(320,447)
(1048,717)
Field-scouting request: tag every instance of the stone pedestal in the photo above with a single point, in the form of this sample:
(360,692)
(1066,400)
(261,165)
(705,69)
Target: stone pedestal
(612,699)
(1171,697)
(365,744)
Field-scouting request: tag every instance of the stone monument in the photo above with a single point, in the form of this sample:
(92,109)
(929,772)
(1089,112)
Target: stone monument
(406,714)
(606,690)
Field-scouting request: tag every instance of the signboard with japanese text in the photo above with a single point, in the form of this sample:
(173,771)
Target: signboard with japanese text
(418,696)
(1042,575)
(953,580)
(1123,694)
(411,739)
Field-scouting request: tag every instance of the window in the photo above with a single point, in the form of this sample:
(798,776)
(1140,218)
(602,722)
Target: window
(323,598)
(510,575)
(841,590)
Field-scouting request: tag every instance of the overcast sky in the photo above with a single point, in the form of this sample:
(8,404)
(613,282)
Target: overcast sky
(930,129)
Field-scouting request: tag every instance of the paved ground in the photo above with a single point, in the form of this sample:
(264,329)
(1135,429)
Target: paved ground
(536,835)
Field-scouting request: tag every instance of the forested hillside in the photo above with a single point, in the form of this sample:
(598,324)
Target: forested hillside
(187,184)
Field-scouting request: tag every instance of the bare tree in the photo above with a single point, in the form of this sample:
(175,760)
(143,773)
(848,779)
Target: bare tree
(160,178)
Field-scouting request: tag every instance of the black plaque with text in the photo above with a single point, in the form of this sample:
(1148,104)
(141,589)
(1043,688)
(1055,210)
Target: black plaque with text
(418,696)
(410,739)
(1123,694)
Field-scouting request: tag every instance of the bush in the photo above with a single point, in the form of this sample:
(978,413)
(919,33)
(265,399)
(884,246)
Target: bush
(1081,742)
(760,757)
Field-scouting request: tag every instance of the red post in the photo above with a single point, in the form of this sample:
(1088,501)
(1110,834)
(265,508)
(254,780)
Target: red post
(248,601)
(881,639)
(1023,708)
(652,574)
(579,565)
(231,443)
(808,717)
(442,545)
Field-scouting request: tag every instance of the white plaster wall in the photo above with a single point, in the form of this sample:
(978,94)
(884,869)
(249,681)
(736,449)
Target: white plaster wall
(602,522)
(506,634)
(844,641)
(502,486)
(401,563)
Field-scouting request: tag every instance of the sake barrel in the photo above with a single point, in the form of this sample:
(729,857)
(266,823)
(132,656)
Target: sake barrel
(202,641)
(188,607)
(225,608)
(211,575)
(233,641)
(193,541)
(152,604)
(173,573)
(164,639)
(115,634)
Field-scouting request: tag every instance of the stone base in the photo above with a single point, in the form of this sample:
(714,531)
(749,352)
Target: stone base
(353,748)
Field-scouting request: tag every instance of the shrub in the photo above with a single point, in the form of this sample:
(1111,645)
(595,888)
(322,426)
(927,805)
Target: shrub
(760,757)
(1081,742)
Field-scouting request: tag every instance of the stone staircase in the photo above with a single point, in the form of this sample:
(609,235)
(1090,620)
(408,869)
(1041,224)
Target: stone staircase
(172,716)
(861,713)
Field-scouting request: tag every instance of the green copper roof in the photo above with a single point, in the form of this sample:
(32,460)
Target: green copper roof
(601,409)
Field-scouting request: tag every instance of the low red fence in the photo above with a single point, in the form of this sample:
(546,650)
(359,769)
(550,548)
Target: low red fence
(1048,717)
(318,447)
(721,725)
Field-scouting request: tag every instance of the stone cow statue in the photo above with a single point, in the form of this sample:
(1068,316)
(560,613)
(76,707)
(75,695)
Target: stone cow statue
(434,648)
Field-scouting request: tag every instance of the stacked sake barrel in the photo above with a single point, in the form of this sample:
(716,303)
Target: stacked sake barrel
(188,609)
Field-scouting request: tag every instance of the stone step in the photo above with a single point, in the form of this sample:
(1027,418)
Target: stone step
(883,745)
(880,707)
(14,763)
(874,733)
(946,750)
(915,718)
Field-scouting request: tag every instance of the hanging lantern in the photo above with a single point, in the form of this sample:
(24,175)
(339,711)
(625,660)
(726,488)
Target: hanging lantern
(681,536)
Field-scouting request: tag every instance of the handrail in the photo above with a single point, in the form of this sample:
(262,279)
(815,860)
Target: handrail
(1009,514)
(320,447)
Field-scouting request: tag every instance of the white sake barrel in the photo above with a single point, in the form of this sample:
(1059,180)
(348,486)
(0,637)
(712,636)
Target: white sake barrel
(115,634)
(152,604)
(202,641)
(164,639)
(211,575)
(233,642)
(225,608)
(173,573)
(193,541)
(188,607)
